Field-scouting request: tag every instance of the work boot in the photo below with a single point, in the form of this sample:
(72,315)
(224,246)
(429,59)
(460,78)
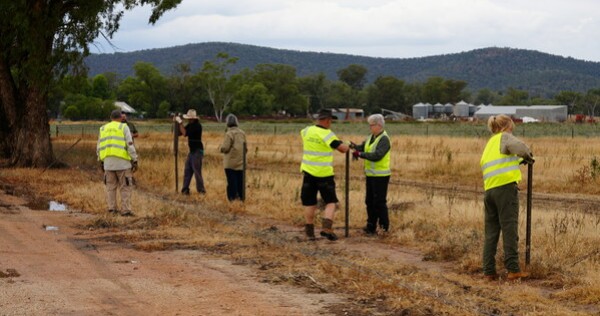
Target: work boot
(490,277)
(370,230)
(329,234)
(327,231)
(113,212)
(309,229)
(127,213)
(517,276)
(185,191)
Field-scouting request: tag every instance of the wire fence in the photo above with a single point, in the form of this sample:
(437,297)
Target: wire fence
(455,129)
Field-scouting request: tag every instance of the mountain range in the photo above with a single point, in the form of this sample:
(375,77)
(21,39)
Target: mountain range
(494,68)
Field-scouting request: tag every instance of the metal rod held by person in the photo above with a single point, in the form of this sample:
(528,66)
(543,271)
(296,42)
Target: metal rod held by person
(528,233)
(176,151)
(347,192)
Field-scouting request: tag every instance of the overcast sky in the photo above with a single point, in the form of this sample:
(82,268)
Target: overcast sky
(377,28)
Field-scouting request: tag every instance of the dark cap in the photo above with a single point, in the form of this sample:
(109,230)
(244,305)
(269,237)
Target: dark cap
(325,114)
(115,114)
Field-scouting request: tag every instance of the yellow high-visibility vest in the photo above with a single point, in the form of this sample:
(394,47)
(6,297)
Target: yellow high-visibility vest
(379,168)
(498,169)
(317,159)
(112,141)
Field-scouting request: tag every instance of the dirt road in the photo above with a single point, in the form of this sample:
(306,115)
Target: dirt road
(71,271)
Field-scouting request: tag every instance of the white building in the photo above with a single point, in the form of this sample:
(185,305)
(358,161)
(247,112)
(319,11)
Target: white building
(543,113)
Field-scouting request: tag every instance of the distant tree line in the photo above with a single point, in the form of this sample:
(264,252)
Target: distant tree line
(274,89)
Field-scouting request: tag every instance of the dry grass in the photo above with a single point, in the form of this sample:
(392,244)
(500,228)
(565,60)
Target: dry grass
(435,206)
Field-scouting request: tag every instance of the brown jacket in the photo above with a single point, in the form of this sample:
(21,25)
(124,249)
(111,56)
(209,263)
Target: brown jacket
(233,148)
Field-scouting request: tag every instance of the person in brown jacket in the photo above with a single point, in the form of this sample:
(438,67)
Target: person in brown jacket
(233,148)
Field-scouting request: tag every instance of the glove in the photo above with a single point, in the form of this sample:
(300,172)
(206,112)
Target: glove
(102,166)
(527,161)
(355,155)
(134,166)
(178,119)
(352,145)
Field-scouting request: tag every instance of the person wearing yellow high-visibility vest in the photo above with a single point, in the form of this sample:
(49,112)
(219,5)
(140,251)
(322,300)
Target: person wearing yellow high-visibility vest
(501,174)
(118,159)
(317,166)
(376,152)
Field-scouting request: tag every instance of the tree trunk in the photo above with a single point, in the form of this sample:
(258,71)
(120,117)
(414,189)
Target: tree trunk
(7,110)
(32,146)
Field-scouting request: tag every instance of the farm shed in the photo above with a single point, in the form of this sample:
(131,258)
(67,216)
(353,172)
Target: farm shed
(344,114)
(545,113)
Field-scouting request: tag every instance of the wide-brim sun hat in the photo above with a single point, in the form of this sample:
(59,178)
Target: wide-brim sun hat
(190,115)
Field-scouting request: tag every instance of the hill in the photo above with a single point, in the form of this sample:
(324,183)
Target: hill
(494,68)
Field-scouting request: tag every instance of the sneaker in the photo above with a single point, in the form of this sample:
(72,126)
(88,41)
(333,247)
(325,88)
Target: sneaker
(329,235)
(517,276)
(127,213)
(185,191)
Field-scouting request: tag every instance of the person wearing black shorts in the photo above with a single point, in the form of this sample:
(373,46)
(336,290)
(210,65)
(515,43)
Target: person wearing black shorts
(317,166)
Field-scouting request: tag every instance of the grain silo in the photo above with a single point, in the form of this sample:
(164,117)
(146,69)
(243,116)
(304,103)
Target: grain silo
(420,111)
(448,109)
(461,109)
(438,109)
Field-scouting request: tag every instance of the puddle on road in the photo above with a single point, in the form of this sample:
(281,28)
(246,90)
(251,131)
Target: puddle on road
(10,273)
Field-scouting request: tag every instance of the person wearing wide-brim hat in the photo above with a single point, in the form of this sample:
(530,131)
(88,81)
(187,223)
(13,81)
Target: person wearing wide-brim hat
(317,166)
(193,164)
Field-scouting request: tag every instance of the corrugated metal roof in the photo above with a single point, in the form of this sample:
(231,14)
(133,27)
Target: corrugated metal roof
(512,109)
(124,107)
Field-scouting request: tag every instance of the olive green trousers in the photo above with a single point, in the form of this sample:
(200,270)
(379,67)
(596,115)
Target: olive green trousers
(501,216)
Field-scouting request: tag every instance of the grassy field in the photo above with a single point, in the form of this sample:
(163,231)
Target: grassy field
(435,201)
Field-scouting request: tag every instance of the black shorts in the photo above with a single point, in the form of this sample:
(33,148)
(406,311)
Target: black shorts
(311,185)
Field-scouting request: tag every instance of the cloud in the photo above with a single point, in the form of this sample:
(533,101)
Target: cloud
(382,28)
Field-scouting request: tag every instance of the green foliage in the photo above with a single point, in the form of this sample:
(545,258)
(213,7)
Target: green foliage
(71,113)
(220,86)
(281,82)
(163,109)
(100,87)
(252,99)
(81,107)
(354,76)
(387,93)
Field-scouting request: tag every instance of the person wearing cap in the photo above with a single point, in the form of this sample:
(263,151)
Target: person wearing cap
(233,148)
(501,174)
(118,160)
(376,152)
(193,164)
(132,129)
(319,142)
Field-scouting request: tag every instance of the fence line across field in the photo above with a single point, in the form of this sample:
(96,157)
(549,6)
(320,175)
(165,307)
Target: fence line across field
(570,130)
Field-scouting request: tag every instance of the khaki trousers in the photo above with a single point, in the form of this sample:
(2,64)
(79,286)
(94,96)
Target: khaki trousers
(123,181)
